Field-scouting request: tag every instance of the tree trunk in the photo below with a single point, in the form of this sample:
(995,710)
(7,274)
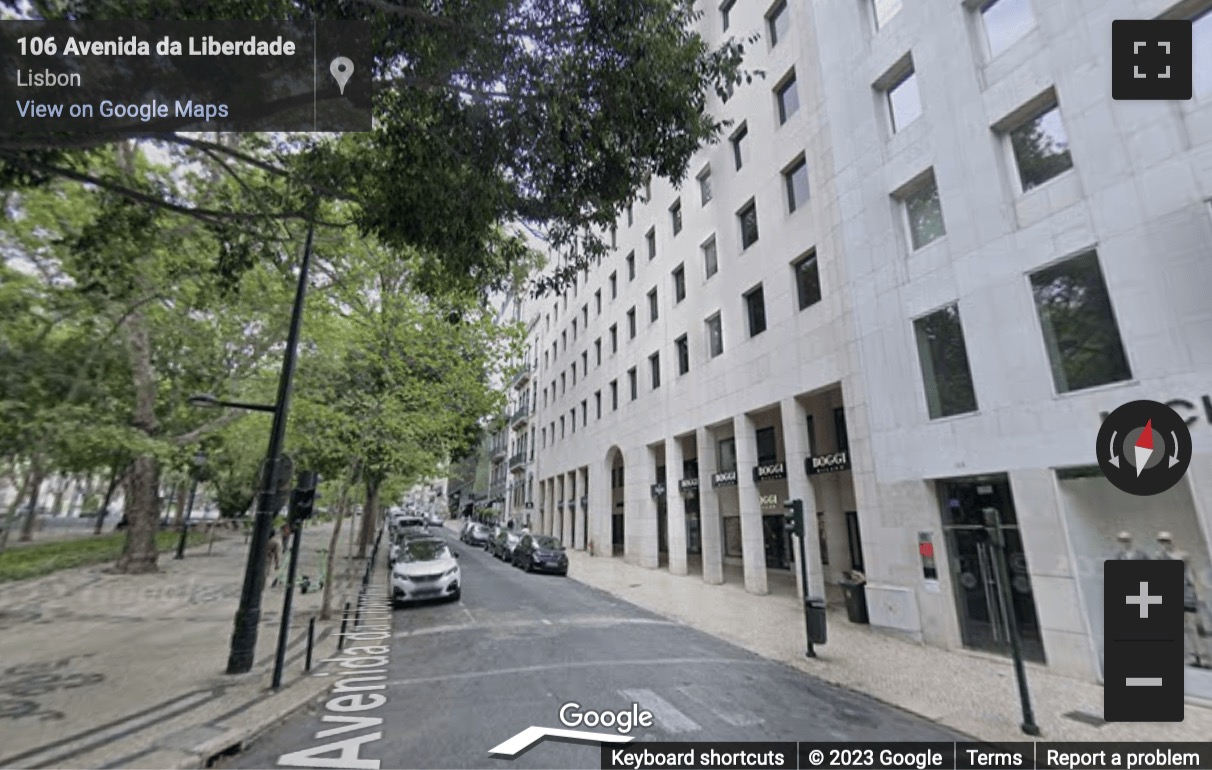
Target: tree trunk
(10,516)
(27,525)
(326,603)
(180,498)
(139,553)
(115,476)
(369,516)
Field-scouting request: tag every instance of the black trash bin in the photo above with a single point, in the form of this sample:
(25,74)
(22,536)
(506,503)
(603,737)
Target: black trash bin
(856,601)
(814,613)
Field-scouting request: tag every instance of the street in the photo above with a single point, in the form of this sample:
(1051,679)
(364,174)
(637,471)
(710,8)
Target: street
(465,676)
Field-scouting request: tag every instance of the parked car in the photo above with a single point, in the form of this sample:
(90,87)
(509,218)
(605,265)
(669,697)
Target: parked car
(426,569)
(401,537)
(541,552)
(436,519)
(504,543)
(400,521)
(478,535)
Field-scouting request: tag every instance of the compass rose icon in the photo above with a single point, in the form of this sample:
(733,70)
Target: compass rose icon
(1144,448)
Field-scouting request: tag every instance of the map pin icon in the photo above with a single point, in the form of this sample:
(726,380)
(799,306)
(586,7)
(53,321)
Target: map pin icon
(341,69)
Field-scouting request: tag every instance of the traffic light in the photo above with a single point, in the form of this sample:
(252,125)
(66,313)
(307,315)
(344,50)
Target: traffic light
(794,518)
(303,496)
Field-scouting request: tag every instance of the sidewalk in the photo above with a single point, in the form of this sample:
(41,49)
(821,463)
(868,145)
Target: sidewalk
(103,670)
(970,692)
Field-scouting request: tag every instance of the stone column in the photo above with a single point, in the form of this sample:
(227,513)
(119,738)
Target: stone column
(599,509)
(675,506)
(549,516)
(582,527)
(799,485)
(709,511)
(642,545)
(753,541)
(570,507)
(557,523)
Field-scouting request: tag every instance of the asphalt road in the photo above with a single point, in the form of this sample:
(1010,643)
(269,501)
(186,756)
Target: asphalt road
(465,676)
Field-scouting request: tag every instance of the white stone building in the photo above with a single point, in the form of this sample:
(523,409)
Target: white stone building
(929,254)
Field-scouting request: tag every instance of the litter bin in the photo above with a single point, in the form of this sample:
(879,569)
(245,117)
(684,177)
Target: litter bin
(856,601)
(814,613)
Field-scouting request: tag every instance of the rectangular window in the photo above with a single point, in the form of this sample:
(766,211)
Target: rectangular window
(564,340)
(584,413)
(679,283)
(630,215)
(711,263)
(884,11)
(574,330)
(810,432)
(738,145)
(795,179)
(924,211)
(574,373)
(631,266)
(944,360)
(1080,330)
(705,186)
(562,427)
(614,338)
(755,308)
(778,22)
(651,239)
(654,307)
(767,446)
(633,381)
(631,324)
(597,301)
(727,455)
(585,315)
(683,347)
(563,383)
(597,348)
(788,98)
(585,362)
(648,190)
(1005,23)
(904,101)
(654,364)
(614,237)
(715,335)
(614,395)
(597,399)
(1041,148)
(747,218)
(725,11)
(807,279)
(572,419)
(839,429)
(614,285)
(675,216)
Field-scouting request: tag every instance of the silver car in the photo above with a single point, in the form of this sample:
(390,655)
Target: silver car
(426,569)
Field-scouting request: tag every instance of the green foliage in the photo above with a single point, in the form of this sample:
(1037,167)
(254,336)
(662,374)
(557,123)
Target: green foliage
(44,558)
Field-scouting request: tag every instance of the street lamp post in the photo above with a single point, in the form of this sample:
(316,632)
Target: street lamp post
(248,615)
(199,462)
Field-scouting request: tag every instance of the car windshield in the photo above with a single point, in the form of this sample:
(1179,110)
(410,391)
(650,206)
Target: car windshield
(426,550)
(548,543)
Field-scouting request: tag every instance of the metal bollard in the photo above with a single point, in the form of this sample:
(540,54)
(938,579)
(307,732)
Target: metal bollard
(344,623)
(311,640)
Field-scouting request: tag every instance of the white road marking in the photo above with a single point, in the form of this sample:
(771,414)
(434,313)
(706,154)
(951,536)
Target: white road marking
(532,735)
(612,663)
(515,624)
(703,696)
(667,717)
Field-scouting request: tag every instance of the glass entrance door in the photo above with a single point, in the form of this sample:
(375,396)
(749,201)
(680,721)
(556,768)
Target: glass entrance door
(982,612)
(777,541)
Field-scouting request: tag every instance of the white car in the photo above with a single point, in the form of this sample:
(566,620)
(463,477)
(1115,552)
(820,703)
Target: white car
(425,569)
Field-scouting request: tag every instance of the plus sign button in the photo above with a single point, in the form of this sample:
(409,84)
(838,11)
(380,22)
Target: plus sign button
(1151,59)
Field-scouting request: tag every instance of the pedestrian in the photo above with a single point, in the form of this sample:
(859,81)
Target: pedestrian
(273,556)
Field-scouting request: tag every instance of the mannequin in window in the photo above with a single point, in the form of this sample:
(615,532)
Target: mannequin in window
(1194,611)
(1126,551)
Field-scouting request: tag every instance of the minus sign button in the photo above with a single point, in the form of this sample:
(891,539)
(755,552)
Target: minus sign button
(1143,681)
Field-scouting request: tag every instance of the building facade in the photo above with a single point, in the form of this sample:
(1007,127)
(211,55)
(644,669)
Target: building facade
(929,254)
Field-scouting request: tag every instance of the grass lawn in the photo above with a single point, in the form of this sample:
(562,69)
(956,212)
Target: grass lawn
(42,559)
